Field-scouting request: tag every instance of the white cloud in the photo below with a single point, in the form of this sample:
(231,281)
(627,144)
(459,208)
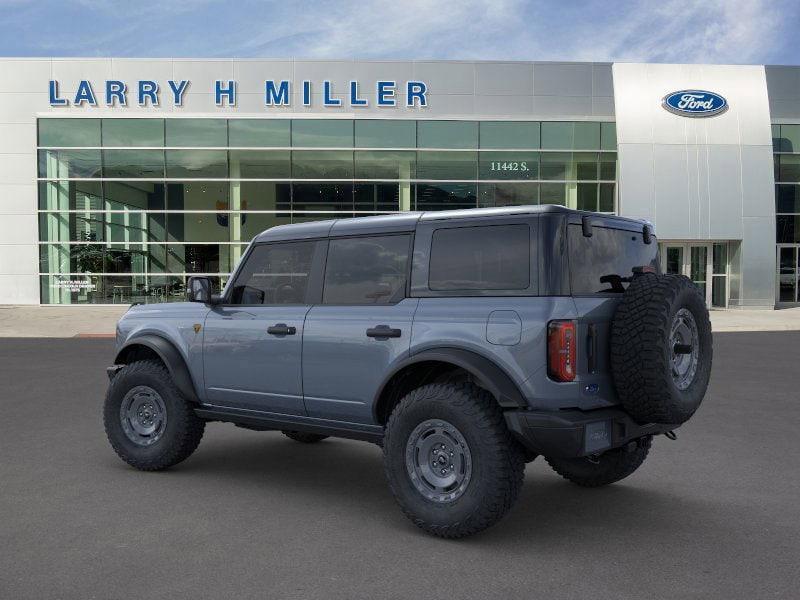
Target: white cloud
(712,31)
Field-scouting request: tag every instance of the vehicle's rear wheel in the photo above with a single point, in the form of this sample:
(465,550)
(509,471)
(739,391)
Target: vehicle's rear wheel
(150,425)
(451,463)
(301,436)
(607,468)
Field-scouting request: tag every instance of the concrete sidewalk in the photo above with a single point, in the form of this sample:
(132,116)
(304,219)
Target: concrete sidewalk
(59,321)
(72,321)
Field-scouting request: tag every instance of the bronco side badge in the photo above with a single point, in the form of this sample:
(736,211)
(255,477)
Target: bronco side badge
(197,327)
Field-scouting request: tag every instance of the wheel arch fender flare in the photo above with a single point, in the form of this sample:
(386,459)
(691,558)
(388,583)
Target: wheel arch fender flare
(169,355)
(492,378)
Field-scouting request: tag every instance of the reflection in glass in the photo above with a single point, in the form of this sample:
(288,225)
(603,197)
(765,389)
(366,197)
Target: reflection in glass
(384,133)
(447,134)
(133,132)
(260,164)
(507,194)
(198,133)
(261,195)
(509,134)
(385,164)
(322,164)
(446,196)
(70,195)
(134,195)
(64,164)
(553,193)
(587,196)
(789,168)
(585,166)
(65,133)
(447,165)
(125,164)
(197,164)
(322,133)
(556,166)
(608,136)
(259,133)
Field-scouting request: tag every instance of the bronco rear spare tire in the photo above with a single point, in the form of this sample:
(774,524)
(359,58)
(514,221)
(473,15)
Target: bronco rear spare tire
(661,348)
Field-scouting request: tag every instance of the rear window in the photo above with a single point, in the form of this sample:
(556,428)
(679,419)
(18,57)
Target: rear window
(366,270)
(599,263)
(489,257)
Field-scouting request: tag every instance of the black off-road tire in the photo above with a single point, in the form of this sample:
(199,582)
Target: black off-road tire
(497,464)
(183,429)
(608,468)
(642,350)
(301,436)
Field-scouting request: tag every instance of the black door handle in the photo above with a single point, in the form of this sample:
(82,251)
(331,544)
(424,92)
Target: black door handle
(383,331)
(281,329)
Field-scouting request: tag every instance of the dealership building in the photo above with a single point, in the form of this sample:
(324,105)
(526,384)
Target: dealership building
(120,178)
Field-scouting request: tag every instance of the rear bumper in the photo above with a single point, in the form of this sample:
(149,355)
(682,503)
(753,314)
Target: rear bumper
(573,433)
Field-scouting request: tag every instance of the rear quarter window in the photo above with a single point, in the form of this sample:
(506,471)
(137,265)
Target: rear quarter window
(487,257)
(597,263)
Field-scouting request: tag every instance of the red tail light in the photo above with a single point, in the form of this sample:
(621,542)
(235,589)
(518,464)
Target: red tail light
(561,350)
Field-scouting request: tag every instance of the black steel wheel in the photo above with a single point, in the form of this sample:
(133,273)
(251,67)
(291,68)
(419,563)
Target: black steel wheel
(452,464)
(148,422)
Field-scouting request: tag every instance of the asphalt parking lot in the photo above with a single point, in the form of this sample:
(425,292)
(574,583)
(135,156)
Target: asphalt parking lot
(714,515)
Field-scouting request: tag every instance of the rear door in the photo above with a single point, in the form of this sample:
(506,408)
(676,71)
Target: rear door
(597,266)
(252,345)
(362,326)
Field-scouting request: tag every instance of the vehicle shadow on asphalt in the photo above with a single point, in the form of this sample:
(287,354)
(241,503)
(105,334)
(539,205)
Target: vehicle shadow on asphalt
(551,513)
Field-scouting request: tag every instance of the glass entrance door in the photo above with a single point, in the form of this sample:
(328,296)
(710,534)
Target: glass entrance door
(691,260)
(787,292)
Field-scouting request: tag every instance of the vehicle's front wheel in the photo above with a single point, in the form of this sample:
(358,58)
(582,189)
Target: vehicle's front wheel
(150,425)
(451,463)
(607,468)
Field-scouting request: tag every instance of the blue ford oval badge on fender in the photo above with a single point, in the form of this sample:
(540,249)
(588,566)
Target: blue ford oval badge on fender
(695,103)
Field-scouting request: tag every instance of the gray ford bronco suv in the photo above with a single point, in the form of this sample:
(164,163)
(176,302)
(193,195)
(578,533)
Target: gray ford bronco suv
(465,343)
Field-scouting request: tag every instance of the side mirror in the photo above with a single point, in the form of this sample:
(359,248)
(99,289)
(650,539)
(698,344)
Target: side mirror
(198,289)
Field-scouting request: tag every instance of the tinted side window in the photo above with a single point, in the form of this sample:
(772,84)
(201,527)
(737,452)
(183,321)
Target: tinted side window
(274,274)
(489,257)
(366,270)
(609,254)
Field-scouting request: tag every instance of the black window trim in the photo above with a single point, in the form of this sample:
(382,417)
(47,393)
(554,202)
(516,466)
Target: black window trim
(409,260)
(604,222)
(313,290)
(534,236)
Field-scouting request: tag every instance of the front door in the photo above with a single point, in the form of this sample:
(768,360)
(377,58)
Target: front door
(692,260)
(252,346)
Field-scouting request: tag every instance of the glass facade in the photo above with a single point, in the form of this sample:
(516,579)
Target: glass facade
(786,148)
(128,208)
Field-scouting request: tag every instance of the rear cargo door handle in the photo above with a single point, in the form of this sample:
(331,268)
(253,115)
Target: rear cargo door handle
(383,331)
(281,329)
(591,348)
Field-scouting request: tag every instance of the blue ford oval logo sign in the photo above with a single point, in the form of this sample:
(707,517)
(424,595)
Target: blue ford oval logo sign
(695,103)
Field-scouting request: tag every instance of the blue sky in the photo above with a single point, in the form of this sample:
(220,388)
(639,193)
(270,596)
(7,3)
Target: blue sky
(712,31)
